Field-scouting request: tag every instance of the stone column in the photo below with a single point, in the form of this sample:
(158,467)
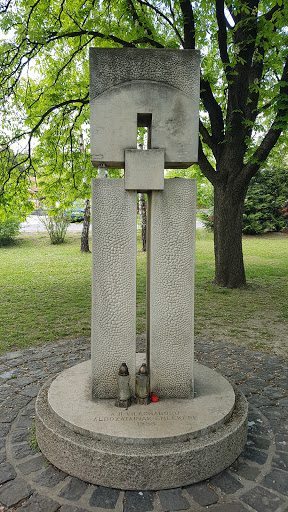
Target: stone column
(113,337)
(170,292)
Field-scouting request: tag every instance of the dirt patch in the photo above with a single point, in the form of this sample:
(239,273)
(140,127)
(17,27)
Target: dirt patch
(260,332)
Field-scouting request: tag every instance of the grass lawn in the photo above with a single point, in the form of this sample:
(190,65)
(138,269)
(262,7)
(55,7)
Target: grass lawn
(46,293)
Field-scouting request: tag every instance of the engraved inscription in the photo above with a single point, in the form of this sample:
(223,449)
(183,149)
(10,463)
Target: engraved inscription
(149,418)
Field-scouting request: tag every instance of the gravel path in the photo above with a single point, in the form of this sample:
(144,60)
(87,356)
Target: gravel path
(257,481)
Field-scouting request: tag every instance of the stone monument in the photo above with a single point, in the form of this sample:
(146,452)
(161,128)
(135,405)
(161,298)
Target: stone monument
(198,426)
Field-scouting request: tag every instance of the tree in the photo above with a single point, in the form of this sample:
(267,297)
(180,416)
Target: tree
(244,84)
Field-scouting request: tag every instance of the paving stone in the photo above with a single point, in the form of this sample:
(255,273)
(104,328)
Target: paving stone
(104,497)
(280,461)
(13,492)
(283,402)
(4,429)
(276,413)
(21,382)
(2,442)
(25,421)
(20,435)
(228,507)
(5,392)
(138,501)
(173,499)
(69,508)
(226,482)
(39,374)
(245,470)
(2,456)
(259,400)
(202,494)
(13,355)
(275,393)
(7,415)
(37,503)
(19,451)
(31,391)
(254,455)
(258,442)
(262,500)
(51,476)
(281,441)
(7,472)
(74,489)
(17,402)
(32,465)
(277,481)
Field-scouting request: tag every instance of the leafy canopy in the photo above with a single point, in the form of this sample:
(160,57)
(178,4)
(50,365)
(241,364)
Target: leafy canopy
(45,85)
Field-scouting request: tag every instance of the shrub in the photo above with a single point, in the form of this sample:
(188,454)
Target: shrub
(266,195)
(265,206)
(56,224)
(9,229)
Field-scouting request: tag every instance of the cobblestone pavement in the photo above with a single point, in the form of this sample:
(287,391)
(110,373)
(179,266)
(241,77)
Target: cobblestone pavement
(257,481)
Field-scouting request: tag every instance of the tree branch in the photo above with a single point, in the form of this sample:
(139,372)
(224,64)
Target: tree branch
(279,124)
(162,15)
(207,138)
(148,41)
(215,113)
(189,24)
(222,33)
(205,165)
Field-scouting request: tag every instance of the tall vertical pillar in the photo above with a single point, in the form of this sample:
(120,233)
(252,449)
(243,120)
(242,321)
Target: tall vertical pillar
(113,337)
(170,292)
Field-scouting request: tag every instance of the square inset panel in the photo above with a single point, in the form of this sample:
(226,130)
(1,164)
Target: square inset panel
(144,169)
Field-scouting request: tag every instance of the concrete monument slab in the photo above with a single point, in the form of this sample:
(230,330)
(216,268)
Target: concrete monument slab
(144,170)
(129,85)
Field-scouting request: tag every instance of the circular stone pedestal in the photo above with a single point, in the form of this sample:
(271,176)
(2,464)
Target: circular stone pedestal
(165,444)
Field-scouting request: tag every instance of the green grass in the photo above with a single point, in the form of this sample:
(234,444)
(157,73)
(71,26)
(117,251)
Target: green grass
(46,293)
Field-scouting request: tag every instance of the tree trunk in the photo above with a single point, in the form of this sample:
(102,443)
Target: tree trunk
(228,210)
(143,218)
(85,229)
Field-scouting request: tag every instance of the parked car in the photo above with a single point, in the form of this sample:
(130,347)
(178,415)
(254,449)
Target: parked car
(75,214)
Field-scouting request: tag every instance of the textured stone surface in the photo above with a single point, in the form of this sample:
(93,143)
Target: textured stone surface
(38,503)
(127,82)
(138,501)
(277,480)
(144,170)
(141,466)
(226,482)
(113,284)
(20,451)
(230,360)
(13,492)
(172,499)
(51,476)
(228,507)
(170,271)
(203,494)
(32,465)
(7,472)
(104,497)
(69,398)
(74,489)
(262,500)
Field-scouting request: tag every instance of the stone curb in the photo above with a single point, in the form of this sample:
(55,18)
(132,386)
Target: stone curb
(257,481)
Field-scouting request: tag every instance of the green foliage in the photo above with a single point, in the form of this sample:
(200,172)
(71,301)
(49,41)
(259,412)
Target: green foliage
(204,187)
(265,200)
(56,224)
(33,440)
(9,229)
